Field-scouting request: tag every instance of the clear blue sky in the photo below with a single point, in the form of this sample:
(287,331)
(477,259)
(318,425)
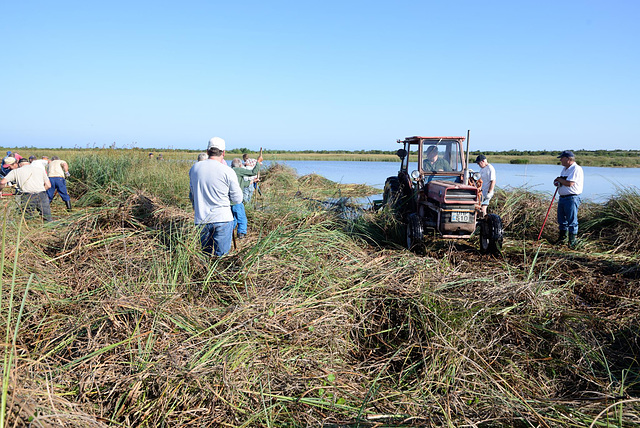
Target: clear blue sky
(320,74)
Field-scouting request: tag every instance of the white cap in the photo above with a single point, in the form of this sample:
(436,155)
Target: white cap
(216,143)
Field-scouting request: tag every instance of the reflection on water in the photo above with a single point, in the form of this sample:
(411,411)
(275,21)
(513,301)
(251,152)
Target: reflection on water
(600,183)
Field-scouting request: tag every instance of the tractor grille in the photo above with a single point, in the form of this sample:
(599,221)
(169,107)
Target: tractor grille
(457,207)
(464,196)
(458,214)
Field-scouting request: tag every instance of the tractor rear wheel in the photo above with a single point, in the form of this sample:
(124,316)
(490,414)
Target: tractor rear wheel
(391,192)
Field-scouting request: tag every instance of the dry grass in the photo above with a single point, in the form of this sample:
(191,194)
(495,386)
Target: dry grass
(313,320)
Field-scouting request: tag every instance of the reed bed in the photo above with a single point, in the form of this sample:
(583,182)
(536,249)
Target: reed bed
(115,318)
(523,212)
(617,222)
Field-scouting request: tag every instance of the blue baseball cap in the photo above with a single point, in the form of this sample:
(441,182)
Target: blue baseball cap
(567,154)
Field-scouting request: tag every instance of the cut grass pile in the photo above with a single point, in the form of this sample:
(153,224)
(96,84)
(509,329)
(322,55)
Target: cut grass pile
(114,318)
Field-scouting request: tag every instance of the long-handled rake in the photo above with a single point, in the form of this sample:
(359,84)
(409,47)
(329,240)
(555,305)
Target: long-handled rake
(545,217)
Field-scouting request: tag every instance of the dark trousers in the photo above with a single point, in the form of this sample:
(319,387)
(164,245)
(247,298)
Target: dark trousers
(32,202)
(59,184)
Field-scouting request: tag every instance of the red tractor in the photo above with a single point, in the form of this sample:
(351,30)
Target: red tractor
(436,194)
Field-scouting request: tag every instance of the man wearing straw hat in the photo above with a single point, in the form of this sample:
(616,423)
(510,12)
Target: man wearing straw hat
(4,166)
(32,183)
(213,187)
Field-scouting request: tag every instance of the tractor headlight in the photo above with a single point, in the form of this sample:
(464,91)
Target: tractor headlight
(476,176)
(415,174)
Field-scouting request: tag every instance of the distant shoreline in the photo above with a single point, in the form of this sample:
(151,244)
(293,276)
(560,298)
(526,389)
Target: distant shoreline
(584,160)
(598,158)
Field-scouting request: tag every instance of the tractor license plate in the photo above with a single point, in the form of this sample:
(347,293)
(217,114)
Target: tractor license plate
(459,217)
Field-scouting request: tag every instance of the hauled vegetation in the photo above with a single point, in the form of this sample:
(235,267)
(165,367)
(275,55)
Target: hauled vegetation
(113,316)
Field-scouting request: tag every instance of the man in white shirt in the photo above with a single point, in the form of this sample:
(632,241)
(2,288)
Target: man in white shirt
(42,163)
(213,187)
(488,176)
(569,185)
(58,171)
(32,183)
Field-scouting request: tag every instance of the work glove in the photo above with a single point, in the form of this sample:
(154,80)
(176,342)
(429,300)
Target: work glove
(557,183)
(490,195)
(66,174)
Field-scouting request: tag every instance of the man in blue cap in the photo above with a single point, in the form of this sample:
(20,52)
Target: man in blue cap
(488,175)
(569,186)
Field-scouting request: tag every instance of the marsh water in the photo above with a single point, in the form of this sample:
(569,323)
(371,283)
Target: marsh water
(599,183)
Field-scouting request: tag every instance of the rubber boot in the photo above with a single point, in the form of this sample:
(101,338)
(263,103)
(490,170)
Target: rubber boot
(562,237)
(68,204)
(572,240)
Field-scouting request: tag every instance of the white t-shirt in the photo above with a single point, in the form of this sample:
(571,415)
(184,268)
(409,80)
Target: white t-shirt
(56,168)
(41,163)
(573,173)
(488,174)
(28,178)
(214,187)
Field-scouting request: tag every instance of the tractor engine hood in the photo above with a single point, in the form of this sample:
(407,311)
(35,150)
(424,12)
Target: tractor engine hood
(447,192)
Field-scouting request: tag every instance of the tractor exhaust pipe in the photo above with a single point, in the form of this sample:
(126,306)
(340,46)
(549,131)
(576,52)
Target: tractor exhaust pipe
(466,166)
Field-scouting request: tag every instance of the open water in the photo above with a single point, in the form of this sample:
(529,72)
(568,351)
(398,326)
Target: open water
(599,184)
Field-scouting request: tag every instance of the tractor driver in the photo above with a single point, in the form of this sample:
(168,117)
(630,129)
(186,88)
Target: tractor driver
(433,163)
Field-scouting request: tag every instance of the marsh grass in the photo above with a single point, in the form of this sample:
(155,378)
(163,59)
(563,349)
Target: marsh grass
(315,319)
(97,176)
(523,211)
(617,222)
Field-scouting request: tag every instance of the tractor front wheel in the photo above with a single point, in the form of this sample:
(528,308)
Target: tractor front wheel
(491,234)
(415,233)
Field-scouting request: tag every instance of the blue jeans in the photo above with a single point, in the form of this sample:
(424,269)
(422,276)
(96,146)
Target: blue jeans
(568,213)
(215,238)
(59,184)
(239,218)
